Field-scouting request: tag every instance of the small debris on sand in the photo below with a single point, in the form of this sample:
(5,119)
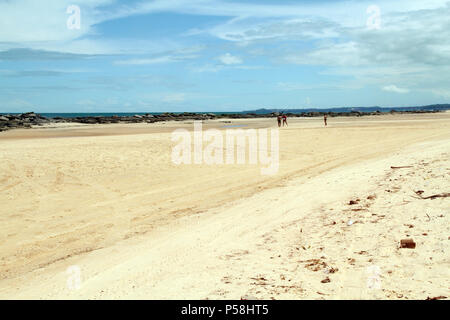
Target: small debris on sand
(326,280)
(407,243)
(403,167)
(315,265)
(333,270)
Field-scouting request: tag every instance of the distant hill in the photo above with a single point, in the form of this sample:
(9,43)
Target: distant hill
(434,107)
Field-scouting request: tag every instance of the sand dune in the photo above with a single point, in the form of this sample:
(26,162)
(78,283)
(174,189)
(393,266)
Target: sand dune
(109,200)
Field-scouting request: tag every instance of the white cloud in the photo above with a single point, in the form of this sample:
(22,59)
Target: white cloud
(245,30)
(43,24)
(176,55)
(156,60)
(411,48)
(292,86)
(164,59)
(220,67)
(228,59)
(45,20)
(394,88)
(348,12)
(312,20)
(226,62)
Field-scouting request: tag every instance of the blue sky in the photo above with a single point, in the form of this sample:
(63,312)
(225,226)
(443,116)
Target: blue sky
(220,55)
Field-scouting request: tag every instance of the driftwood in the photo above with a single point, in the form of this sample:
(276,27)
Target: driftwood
(434,196)
(401,167)
(436,298)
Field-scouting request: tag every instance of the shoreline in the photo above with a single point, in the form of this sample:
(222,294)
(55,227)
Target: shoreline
(74,129)
(32,120)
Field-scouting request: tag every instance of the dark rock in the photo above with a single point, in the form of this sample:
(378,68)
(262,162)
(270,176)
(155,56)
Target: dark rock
(89,121)
(13,123)
(28,115)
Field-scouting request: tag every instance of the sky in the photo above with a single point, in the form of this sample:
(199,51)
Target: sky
(221,55)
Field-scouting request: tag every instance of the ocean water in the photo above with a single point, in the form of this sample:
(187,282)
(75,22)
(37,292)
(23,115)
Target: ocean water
(100,114)
(439,107)
(110,114)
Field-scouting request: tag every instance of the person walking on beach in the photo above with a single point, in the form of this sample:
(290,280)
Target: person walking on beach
(325,119)
(285,120)
(279,121)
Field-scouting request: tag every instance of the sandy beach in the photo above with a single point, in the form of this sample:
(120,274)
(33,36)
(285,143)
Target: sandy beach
(108,202)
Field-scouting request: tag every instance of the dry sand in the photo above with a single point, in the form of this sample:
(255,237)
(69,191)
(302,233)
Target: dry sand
(108,200)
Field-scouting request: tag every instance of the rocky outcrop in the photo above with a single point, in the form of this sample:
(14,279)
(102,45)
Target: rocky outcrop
(25,120)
